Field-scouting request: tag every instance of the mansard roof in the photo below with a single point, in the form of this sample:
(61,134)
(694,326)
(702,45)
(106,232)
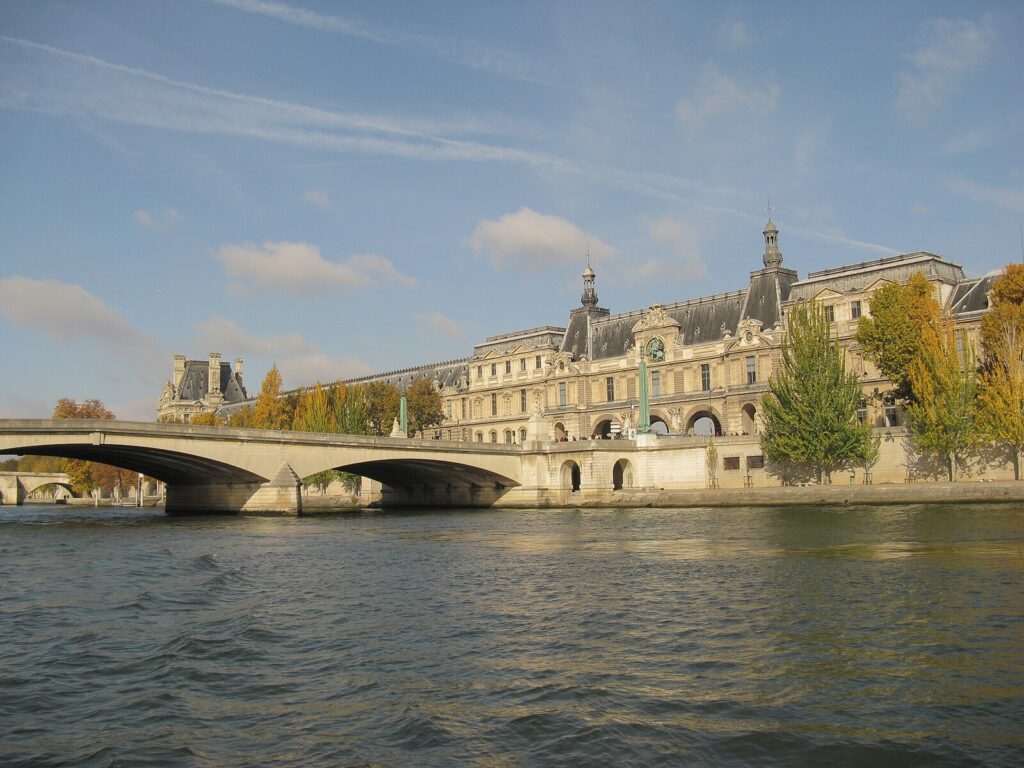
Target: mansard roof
(971,295)
(452,373)
(541,337)
(701,320)
(195,382)
(855,278)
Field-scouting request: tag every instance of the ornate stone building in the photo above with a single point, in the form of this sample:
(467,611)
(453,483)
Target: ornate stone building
(709,358)
(200,386)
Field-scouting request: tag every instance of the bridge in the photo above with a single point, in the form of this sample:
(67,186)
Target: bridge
(16,486)
(219,469)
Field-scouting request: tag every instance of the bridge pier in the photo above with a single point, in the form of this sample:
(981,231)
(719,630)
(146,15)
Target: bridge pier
(282,495)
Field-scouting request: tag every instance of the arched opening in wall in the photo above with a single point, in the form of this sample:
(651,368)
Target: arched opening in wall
(479,437)
(658,426)
(559,431)
(510,436)
(603,429)
(571,476)
(494,436)
(748,412)
(622,475)
(704,423)
(522,435)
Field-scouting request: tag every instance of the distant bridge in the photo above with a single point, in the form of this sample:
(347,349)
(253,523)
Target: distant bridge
(219,469)
(16,486)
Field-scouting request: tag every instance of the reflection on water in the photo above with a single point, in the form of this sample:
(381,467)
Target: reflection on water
(785,637)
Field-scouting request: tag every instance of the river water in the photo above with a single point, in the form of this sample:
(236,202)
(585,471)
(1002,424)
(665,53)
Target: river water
(769,637)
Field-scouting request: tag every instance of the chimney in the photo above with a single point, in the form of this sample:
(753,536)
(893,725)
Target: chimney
(239,368)
(214,388)
(179,371)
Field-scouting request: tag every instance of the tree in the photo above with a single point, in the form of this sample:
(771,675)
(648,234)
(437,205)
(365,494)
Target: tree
(313,412)
(271,411)
(425,405)
(242,418)
(67,408)
(380,404)
(209,419)
(348,405)
(891,336)
(1001,381)
(810,410)
(945,387)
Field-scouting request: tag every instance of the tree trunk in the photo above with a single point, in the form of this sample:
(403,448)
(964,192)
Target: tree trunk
(951,466)
(1016,462)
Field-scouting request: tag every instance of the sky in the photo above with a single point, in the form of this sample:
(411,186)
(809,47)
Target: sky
(348,188)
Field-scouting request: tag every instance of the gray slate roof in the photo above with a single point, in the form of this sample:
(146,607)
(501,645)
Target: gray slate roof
(854,278)
(195,383)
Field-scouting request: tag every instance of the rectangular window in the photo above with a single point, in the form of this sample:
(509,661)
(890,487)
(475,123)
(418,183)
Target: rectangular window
(610,387)
(731,462)
(705,377)
(479,371)
(448,409)
(537,362)
(508,366)
(755,462)
(522,364)
(830,313)
(522,400)
(862,414)
(463,408)
(960,344)
(656,384)
(494,405)
(892,414)
(494,369)
(751,370)
(854,310)
(562,395)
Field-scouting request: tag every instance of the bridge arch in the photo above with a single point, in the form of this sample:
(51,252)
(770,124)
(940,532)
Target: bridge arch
(224,469)
(571,476)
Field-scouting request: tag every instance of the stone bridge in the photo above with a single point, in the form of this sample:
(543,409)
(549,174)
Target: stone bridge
(16,486)
(219,469)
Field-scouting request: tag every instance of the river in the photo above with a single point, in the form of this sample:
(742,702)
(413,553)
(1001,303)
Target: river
(888,636)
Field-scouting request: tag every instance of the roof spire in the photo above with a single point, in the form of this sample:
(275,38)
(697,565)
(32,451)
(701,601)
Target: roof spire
(589,297)
(772,254)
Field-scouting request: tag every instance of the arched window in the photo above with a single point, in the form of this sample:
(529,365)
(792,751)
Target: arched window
(479,437)
(494,436)
(509,436)
(522,436)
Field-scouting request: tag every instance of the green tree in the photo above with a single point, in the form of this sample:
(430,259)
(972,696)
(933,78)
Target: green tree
(891,336)
(380,405)
(313,412)
(810,410)
(425,405)
(1001,382)
(943,414)
(271,411)
(242,418)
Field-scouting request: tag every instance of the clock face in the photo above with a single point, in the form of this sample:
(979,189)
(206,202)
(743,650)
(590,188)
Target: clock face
(656,350)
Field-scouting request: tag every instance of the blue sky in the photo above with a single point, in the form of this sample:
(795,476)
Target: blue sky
(344,188)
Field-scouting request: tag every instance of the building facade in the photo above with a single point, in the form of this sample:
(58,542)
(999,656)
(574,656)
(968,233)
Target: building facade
(709,358)
(200,386)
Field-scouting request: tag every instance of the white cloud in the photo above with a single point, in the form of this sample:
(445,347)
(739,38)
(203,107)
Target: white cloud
(42,78)
(299,268)
(1011,198)
(487,58)
(299,362)
(317,198)
(718,95)
(684,258)
(444,325)
(945,51)
(734,34)
(531,240)
(64,312)
(161,221)
(920,209)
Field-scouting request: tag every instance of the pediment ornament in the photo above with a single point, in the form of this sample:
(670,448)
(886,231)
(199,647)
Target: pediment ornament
(655,317)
